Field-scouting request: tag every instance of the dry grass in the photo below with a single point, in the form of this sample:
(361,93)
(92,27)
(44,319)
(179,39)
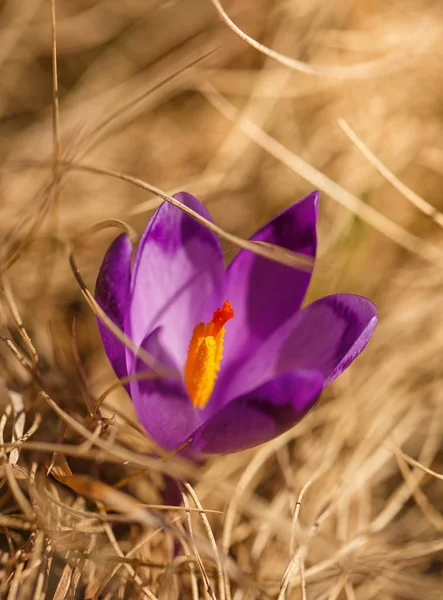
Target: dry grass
(138,94)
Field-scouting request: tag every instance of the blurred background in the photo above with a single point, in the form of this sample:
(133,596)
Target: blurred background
(168,92)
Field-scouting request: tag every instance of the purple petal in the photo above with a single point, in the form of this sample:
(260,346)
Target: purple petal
(326,335)
(263,293)
(178,276)
(162,405)
(259,415)
(112,295)
(329,335)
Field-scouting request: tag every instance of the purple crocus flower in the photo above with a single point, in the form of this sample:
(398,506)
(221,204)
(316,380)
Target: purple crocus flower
(246,362)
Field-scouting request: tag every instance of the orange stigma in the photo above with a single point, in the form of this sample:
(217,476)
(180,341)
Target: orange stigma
(204,356)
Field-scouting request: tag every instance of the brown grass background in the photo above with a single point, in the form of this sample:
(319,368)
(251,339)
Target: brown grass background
(347,505)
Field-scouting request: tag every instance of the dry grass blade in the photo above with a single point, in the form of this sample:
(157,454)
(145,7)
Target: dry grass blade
(371,69)
(157,368)
(269,251)
(411,461)
(30,575)
(207,584)
(220,571)
(314,477)
(146,462)
(18,408)
(426,208)
(337,590)
(368,214)
(96,490)
(399,498)
(64,585)
(19,496)
(433,516)
(9,297)
(114,543)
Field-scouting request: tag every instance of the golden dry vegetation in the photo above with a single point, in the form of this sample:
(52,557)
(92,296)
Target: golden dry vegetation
(345,97)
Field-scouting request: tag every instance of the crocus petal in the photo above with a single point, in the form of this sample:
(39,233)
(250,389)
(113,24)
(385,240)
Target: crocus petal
(327,335)
(259,415)
(162,404)
(264,293)
(112,295)
(178,271)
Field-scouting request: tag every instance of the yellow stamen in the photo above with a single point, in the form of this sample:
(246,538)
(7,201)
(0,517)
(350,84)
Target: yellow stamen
(204,356)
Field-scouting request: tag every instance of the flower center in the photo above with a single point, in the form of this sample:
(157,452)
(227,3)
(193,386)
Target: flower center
(204,356)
